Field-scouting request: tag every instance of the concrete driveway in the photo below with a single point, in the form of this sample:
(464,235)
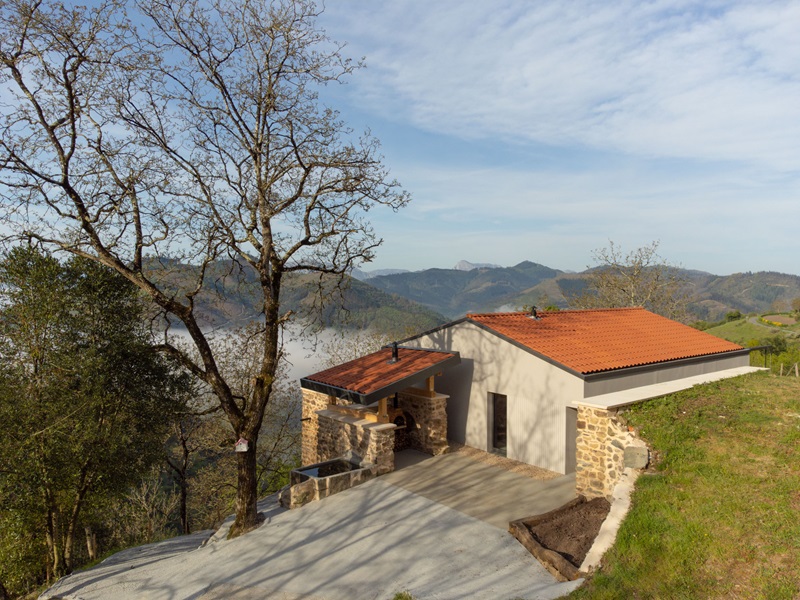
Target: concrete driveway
(493,495)
(369,542)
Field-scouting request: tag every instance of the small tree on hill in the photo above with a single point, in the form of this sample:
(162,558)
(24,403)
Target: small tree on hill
(637,278)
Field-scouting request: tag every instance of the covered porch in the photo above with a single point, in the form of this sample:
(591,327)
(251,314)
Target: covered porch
(376,405)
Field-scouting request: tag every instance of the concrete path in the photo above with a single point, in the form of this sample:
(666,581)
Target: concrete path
(485,492)
(369,542)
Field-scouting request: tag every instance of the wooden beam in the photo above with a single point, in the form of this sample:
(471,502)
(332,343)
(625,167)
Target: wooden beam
(383,411)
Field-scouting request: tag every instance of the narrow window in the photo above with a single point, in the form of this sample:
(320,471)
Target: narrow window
(497,411)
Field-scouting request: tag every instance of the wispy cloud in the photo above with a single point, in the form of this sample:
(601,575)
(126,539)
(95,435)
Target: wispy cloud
(711,81)
(540,130)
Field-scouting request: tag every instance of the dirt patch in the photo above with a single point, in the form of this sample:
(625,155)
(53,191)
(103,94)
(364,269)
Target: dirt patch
(562,538)
(571,531)
(782,319)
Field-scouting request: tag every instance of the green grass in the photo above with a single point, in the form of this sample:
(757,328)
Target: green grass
(719,515)
(741,331)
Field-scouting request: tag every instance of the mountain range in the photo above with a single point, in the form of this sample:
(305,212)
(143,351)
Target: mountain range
(454,292)
(402,302)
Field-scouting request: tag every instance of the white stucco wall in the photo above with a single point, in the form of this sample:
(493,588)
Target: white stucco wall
(538,394)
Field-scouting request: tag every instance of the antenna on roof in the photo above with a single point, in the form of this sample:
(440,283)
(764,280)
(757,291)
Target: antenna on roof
(395,354)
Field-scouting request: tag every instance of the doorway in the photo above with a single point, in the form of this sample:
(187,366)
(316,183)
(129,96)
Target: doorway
(498,405)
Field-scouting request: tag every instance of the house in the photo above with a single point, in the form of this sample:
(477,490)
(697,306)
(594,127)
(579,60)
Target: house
(542,388)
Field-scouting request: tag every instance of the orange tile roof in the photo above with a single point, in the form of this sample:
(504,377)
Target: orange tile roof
(375,374)
(589,341)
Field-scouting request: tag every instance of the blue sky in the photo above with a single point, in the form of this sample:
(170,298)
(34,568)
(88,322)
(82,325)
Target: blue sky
(540,130)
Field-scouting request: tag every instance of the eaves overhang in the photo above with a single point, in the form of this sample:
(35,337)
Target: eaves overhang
(394,385)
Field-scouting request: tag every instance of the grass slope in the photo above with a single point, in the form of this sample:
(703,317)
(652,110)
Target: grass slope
(718,517)
(741,331)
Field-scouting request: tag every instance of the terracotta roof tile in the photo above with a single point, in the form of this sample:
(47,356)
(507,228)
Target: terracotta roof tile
(589,341)
(374,372)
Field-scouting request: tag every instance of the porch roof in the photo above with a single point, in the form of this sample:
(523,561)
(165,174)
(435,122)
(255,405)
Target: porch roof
(375,376)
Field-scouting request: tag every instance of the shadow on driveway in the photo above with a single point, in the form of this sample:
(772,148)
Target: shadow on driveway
(369,542)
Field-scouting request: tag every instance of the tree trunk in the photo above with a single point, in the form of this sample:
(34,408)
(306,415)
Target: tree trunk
(4,595)
(184,483)
(184,510)
(247,517)
(72,526)
(91,542)
(54,547)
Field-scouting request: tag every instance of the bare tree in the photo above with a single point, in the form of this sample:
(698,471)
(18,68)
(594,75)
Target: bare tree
(196,435)
(637,278)
(350,345)
(197,136)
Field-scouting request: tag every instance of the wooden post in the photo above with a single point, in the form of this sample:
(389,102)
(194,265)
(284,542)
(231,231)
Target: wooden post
(796,374)
(781,373)
(383,411)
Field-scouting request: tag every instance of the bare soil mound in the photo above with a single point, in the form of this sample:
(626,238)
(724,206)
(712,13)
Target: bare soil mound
(561,538)
(571,531)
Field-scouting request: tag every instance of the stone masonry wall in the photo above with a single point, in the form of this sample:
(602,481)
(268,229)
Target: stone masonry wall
(600,453)
(312,402)
(338,433)
(429,433)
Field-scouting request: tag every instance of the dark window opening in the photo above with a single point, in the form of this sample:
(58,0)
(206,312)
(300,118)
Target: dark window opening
(498,406)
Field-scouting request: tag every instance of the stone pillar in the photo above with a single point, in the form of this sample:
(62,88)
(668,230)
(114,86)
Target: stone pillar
(312,403)
(600,453)
(429,411)
(337,433)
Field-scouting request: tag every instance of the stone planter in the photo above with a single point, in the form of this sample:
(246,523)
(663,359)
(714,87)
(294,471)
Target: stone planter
(323,479)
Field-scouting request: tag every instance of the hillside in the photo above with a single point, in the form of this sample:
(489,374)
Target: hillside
(453,292)
(231,295)
(716,514)
(412,301)
(746,292)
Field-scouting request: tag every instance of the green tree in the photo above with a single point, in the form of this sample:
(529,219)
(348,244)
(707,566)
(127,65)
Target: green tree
(637,278)
(84,398)
(193,132)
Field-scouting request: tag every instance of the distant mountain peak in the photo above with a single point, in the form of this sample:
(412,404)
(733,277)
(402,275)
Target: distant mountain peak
(465,265)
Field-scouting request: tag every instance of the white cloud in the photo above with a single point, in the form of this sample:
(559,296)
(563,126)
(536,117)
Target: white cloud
(719,221)
(711,81)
